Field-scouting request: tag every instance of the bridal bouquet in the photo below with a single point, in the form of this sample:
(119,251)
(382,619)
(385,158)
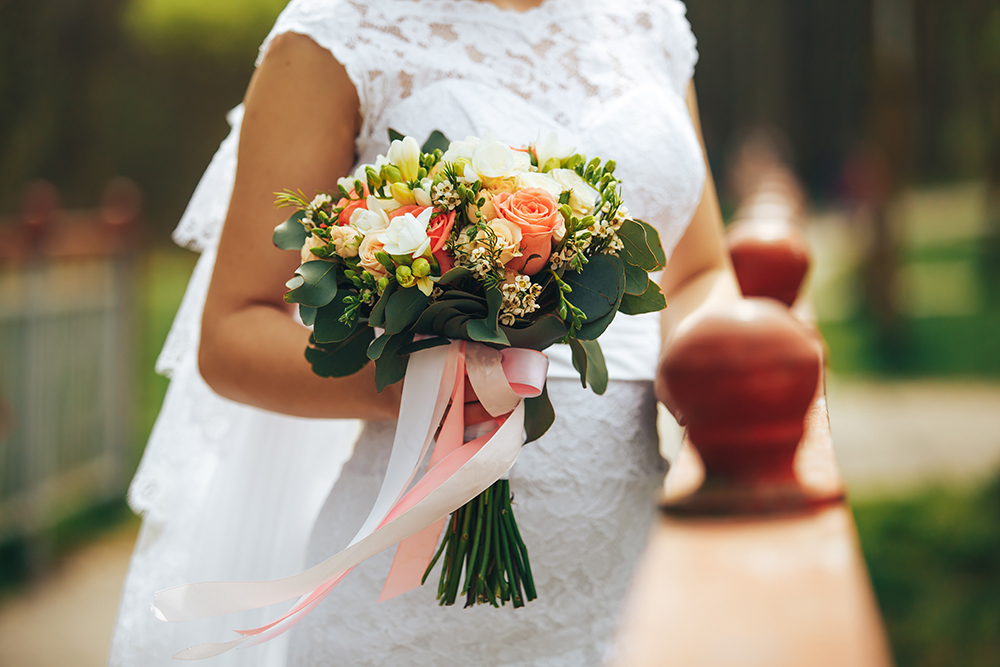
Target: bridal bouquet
(481,242)
(447,264)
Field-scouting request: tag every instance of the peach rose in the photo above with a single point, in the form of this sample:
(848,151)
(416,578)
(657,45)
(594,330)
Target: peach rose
(366,256)
(536,212)
(349,207)
(440,229)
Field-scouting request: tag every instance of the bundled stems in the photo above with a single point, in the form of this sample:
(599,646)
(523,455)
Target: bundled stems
(482,541)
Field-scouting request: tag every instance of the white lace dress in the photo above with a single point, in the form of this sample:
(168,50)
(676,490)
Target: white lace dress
(220,494)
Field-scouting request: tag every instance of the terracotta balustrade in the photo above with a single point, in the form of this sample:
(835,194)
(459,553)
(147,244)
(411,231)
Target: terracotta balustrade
(754,559)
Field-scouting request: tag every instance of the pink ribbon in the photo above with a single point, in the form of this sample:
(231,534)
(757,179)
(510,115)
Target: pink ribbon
(457,472)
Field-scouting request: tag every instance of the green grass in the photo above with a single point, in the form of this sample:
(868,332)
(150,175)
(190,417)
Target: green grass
(934,559)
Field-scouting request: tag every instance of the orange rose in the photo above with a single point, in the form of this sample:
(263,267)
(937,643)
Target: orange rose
(439,229)
(350,206)
(536,212)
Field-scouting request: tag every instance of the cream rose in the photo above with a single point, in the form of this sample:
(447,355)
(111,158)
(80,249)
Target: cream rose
(583,196)
(345,240)
(368,221)
(311,242)
(370,246)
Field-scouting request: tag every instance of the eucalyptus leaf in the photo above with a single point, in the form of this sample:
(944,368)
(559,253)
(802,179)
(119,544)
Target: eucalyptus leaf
(315,284)
(597,288)
(377,318)
(538,415)
(377,346)
(597,368)
(480,330)
(328,328)
(540,334)
(454,274)
(437,140)
(390,367)
(425,323)
(636,248)
(341,359)
(650,301)
(291,235)
(636,279)
(395,136)
(579,359)
(307,315)
(653,241)
(456,328)
(459,294)
(592,329)
(403,309)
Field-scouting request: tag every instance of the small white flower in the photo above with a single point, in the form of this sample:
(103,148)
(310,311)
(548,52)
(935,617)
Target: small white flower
(320,200)
(407,234)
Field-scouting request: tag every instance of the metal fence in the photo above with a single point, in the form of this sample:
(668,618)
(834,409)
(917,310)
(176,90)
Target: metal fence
(66,360)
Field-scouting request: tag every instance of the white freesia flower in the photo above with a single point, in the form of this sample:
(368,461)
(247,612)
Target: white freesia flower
(368,221)
(493,159)
(549,147)
(378,204)
(460,149)
(423,193)
(320,200)
(583,197)
(405,154)
(534,179)
(407,234)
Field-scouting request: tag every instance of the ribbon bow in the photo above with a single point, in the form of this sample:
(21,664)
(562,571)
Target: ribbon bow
(457,472)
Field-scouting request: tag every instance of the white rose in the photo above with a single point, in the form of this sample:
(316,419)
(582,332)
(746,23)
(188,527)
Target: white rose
(549,147)
(583,197)
(508,239)
(534,179)
(346,240)
(407,234)
(311,242)
(367,221)
(405,154)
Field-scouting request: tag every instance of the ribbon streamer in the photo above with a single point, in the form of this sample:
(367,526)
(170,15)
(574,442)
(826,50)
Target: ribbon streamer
(458,471)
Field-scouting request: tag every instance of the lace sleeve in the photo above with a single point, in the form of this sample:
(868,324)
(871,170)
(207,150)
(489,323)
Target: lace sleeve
(679,43)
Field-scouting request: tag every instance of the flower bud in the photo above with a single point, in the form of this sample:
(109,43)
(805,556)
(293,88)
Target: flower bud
(404,276)
(550,164)
(391,173)
(402,194)
(374,182)
(382,283)
(421,267)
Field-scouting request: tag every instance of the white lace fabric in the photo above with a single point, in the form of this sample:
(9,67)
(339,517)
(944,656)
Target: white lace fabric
(609,78)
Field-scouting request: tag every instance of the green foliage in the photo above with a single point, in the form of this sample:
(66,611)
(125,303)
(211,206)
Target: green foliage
(291,235)
(390,366)
(328,327)
(314,284)
(343,358)
(934,559)
(403,308)
(649,301)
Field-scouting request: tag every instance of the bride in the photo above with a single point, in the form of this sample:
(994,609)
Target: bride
(247,477)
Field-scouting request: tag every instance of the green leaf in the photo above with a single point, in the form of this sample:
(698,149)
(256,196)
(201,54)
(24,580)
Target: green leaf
(579,359)
(597,369)
(650,301)
(635,279)
(315,284)
(637,250)
(425,323)
(395,136)
(377,318)
(377,346)
(538,415)
(435,141)
(291,235)
(340,359)
(307,315)
(454,274)
(593,329)
(403,309)
(480,330)
(425,344)
(390,367)
(653,241)
(456,327)
(597,288)
(328,328)
(459,294)
(542,333)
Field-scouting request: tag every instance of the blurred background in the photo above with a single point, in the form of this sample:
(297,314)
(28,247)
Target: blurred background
(885,114)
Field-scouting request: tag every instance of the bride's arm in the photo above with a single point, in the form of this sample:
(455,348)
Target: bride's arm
(699,276)
(301,117)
